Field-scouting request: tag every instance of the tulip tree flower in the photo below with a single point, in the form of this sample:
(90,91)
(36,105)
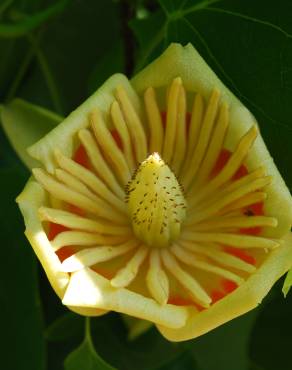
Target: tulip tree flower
(157,198)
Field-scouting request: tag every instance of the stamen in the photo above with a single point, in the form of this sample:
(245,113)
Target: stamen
(234,240)
(121,127)
(127,274)
(215,146)
(195,127)
(205,133)
(89,179)
(180,147)
(89,257)
(134,124)
(186,280)
(211,251)
(154,121)
(98,162)
(71,181)
(191,260)
(247,200)
(109,146)
(82,238)
(209,210)
(72,221)
(171,119)
(230,187)
(237,222)
(55,203)
(232,165)
(156,279)
(63,192)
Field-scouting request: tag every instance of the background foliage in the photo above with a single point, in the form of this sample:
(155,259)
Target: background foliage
(55,54)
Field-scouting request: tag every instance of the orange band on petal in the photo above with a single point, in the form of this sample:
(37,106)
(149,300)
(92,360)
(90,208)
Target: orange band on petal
(65,253)
(80,157)
(241,254)
(229,286)
(117,139)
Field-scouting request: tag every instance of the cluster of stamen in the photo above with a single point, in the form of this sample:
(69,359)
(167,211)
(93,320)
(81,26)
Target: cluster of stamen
(193,229)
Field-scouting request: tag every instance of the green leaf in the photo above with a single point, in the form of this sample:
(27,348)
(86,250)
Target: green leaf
(27,24)
(71,48)
(249,46)
(85,356)
(22,341)
(24,124)
(148,351)
(287,283)
(227,347)
(112,61)
(270,342)
(136,327)
(65,328)
(184,362)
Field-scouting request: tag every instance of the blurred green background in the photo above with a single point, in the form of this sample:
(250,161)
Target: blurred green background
(55,54)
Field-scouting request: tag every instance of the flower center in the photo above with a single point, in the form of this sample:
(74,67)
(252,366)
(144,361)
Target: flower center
(156,203)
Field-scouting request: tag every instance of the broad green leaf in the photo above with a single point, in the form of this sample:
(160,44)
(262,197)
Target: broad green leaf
(85,356)
(28,23)
(270,342)
(72,46)
(227,347)
(112,61)
(22,342)
(65,328)
(287,283)
(24,124)
(136,327)
(185,361)
(150,33)
(249,46)
(149,351)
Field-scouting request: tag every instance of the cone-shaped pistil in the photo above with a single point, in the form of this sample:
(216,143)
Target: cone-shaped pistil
(156,203)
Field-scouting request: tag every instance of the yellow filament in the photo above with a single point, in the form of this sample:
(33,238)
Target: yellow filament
(180,147)
(63,192)
(234,240)
(195,290)
(156,279)
(205,134)
(212,252)
(121,127)
(82,238)
(171,119)
(237,222)
(210,210)
(98,162)
(109,146)
(73,221)
(232,165)
(89,179)
(127,274)
(245,201)
(190,259)
(215,146)
(55,203)
(194,131)
(154,121)
(73,183)
(230,187)
(91,256)
(134,124)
